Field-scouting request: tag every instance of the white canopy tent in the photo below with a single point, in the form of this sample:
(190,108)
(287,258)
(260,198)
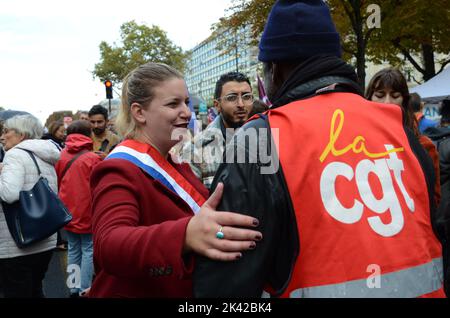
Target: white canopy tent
(433,92)
(435,89)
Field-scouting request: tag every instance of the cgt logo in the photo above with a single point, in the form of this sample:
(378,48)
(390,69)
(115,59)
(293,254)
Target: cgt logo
(387,170)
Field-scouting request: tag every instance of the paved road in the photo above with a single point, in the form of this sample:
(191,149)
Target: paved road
(55,279)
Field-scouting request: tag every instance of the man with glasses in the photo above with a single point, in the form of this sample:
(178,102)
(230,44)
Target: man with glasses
(233,99)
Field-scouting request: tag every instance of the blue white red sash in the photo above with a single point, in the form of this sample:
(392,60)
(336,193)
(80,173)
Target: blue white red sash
(154,164)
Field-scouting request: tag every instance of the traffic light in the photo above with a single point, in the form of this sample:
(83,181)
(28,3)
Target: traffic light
(108,85)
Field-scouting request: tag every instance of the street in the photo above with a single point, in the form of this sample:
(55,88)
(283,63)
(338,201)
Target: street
(55,279)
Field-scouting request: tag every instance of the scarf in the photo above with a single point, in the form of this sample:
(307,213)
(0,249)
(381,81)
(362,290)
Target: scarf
(314,73)
(156,166)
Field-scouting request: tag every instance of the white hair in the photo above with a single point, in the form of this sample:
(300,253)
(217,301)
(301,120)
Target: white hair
(26,125)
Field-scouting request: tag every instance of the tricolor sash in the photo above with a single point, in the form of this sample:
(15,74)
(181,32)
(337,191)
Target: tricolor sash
(154,164)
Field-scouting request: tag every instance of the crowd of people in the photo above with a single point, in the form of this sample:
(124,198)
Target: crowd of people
(300,200)
(22,270)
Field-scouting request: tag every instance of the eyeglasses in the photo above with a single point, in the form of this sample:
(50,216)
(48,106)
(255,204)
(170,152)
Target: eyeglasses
(247,98)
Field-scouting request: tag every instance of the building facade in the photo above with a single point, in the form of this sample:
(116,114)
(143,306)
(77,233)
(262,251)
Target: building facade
(210,59)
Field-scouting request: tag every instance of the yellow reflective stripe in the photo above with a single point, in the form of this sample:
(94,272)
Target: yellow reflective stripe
(407,283)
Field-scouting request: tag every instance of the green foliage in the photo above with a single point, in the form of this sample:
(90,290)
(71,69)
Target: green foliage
(57,116)
(243,13)
(410,30)
(415,30)
(139,44)
(251,13)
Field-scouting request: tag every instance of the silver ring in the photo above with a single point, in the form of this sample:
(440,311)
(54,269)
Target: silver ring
(219,234)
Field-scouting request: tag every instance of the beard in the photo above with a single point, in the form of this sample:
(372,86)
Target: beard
(230,122)
(98,131)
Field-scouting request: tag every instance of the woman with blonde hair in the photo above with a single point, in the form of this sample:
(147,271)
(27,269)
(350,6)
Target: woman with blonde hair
(150,214)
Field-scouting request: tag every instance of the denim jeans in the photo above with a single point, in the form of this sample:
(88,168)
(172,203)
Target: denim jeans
(80,253)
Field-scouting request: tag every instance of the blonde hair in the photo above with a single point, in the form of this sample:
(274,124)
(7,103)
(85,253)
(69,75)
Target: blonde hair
(138,88)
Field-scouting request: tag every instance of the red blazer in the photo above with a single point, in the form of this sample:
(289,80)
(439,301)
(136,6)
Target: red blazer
(74,189)
(139,228)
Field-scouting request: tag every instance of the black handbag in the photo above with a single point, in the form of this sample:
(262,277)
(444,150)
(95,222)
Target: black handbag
(37,215)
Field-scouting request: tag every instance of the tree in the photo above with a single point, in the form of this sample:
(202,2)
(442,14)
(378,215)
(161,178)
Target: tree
(58,115)
(139,44)
(410,28)
(244,14)
(415,31)
(355,25)
(349,15)
(252,13)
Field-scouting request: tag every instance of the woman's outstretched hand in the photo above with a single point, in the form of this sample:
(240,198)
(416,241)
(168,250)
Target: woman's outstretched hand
(202,235)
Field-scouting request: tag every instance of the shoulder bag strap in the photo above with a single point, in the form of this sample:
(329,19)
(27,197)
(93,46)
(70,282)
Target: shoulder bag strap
(71,162)
(32,157)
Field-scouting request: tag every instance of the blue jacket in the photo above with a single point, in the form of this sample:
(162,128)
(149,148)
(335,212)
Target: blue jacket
(425,123)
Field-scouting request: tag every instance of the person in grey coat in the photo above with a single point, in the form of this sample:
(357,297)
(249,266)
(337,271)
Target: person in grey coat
(24,269)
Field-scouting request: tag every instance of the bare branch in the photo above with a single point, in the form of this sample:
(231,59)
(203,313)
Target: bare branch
(405,52)
(443,65)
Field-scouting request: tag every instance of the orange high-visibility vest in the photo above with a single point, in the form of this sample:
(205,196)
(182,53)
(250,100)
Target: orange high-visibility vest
(360,199)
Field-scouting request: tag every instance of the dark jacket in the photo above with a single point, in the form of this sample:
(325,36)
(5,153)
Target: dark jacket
(266,197)
(2,153)
(441,138)
(444,161)
(437,134)
(444,164)
(57,142)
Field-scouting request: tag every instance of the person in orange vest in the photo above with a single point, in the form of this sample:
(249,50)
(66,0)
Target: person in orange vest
(343,191)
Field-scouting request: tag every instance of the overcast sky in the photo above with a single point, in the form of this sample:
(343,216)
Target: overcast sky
(48,48)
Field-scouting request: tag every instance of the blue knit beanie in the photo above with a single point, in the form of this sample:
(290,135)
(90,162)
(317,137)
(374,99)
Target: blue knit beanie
(297,30)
